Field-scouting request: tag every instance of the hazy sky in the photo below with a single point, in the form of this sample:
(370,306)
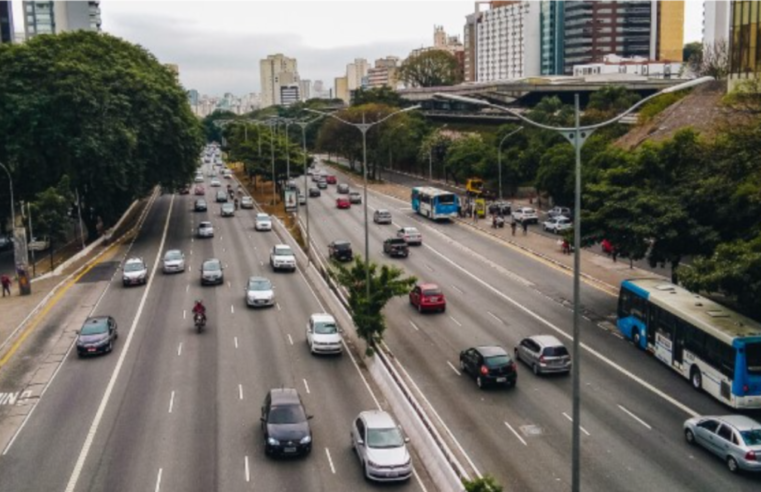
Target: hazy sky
(218,44)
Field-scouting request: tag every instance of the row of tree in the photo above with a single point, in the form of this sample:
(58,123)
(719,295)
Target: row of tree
(89,114)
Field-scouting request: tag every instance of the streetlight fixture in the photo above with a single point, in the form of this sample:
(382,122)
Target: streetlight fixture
(363,128)
(303,125)
(577,136)
(499,158)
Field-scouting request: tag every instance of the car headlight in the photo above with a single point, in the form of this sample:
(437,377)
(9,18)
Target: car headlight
(272,441)
(306,440)
(372,463)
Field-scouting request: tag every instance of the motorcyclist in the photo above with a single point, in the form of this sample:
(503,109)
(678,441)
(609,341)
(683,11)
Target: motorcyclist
(199,310)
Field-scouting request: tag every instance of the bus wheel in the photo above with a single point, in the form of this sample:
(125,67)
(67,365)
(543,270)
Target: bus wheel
(637,339)
(696,378)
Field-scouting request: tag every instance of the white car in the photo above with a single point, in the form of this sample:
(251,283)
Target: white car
(259,292)
(205,229)
(323,335)
(135,272)
(227,174)
(174,261)
(526,214)
(381,447)
(198,178)
(246,202)
(302,198)
(557,224)
(411,235)
(282,258)
(215,183)
(263,222)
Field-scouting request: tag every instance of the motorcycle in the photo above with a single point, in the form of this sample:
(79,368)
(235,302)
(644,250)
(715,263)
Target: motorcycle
(200,322)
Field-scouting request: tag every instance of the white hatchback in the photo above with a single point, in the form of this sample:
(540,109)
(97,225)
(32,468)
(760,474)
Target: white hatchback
(323,335)
(263,222)
(381,447)
(411,235)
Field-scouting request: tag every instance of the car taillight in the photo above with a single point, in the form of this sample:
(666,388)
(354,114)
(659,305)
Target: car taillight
(750,456)
(484,370)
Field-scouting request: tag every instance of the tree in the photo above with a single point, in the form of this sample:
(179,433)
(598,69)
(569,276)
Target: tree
(713,61)
(467,156)
(377,95)
(431,68)
(51,212)
(487,483)
(384,285)
(211,128)
(692,49)
(556,173)
(608,102)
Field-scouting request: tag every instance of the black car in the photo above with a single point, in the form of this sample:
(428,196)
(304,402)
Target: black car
(340,250)
(314,192)
(489,365)
(285,424)
(200,205)
(97,336)
(500,208)
(396,247)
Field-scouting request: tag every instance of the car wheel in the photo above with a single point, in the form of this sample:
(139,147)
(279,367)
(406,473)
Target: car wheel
(637,339)
(689,436)
(480,382)
(535,369)
(696,378)
(732,464)
(463,368)
(444,309)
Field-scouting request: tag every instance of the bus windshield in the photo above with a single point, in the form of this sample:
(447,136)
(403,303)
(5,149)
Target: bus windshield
(753,356)
(446,199)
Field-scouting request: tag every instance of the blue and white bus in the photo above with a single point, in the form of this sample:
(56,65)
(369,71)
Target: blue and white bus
(434,203)
(717,349)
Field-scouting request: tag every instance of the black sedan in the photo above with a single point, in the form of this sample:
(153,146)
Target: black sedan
(314,192)
(285,424)
(396,247)
(340,250)
(489,365)
(97,336)
(200,205)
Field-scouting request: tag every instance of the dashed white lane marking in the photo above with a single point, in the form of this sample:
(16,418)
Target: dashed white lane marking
(187,288)
(580,427)
(171,402)
(191,252)
(261,263)
(458,289)
(278,306)
(454,368)
(158,480)
(516,434)
(184,314)
(414,326)
(330,461)
(247,472)
(229,285)
(455,321)
(190,268)
(636,418)
(429,267)
(495,317)
(235,339)
(306,385)
(179,349)
(240,391)
(290,339)
(232,309)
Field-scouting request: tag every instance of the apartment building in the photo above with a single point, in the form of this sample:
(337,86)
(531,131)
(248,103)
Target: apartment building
(507,41)
(276,71)
(716,15)
(57,17)
(744,44)
(384,73)
(355,71)
(6,22)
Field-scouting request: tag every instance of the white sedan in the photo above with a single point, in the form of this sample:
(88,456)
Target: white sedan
(263,222)
(557,224)
(216,183)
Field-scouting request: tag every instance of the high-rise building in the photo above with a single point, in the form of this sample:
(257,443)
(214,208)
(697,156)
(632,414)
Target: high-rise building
(551,33)
(508,41)
(342,89)
(470,42)
(57,17)
(744,36)
(289,94)
(274,71)
(305,89)
(669,42)
(384,73)
(715,21)
(355,71)
(193,97)
(6,22)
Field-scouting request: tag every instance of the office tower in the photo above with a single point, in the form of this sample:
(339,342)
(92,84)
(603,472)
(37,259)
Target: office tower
(508,43)
(6,22)
(275,71)
(342,89)
(715,21)
(670,28)
(551,33)
(58,17)
(354,73)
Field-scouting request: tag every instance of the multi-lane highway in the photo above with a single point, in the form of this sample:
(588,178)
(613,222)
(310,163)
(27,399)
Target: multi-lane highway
(171,409)
(632,406)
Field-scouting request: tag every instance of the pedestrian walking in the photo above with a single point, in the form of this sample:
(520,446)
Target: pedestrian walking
(513,226)
(524,224)
(6,281)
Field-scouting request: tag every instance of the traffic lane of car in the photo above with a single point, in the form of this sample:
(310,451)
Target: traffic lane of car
(334,399)
(58,427)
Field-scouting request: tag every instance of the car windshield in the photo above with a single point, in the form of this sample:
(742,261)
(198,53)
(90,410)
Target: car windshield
(497,361)
(398,241)
(173,255)
(753,357)
(751,437)
(133,267)
(342,246)
(432,292)
(228,206)
(259,284)
(325,328)
(204,225)
(283,251)
(384,438)
(263,218)
(555,351)
(383,213)
(286,414)
(211,266)
(94,327)
(529,211)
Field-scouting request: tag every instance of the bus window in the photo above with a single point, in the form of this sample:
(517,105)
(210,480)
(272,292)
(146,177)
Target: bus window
(753,356)
(446,199)
(624,303)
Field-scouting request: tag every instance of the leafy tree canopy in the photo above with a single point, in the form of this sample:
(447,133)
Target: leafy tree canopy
(431,69)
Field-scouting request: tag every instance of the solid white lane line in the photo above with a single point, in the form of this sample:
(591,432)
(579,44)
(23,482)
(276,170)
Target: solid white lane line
(330,461)
(516,434)
(74,478)
(248,473)
(414,326)
(495,317)
(232,309)
(158,480)
(455,321)
(580,427)
(240,391)
(458,289)
(636,418)
(236,341)
(171,402)
(179,349)
(184,314)
(290,339)
(306,385)
(454,369)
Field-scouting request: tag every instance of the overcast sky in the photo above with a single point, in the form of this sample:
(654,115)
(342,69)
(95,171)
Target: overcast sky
(218,44)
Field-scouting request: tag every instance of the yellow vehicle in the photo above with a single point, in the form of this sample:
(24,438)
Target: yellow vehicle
(474,186)
(481,207)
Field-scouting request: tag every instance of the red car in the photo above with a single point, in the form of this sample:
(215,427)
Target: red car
(428,297)
(199,190)
(343,202)
(331,180)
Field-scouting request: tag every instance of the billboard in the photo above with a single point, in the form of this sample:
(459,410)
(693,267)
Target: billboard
(291,203)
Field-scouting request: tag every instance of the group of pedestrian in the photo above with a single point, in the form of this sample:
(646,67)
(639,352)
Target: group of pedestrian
(6,281)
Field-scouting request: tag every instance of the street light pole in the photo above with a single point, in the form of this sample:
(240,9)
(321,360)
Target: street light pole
(303,125)
(19,245)
(499,158)
(577,136)
(272,151)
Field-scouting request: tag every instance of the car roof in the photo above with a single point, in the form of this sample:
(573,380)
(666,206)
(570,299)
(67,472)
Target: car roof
(261,215)
(382,211)
(427,285)
(133,260)
(740,422)
(208,260)
(281,246)
(377,419)
(323,317)
(204,223)
(172,251)
(410,229)
(491,350)
(338,242)
(258,279)
(546,340)
(280,396)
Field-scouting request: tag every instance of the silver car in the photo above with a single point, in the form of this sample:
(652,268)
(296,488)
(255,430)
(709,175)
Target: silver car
(544,354)
(260,292)
(323,335)
(382,216)
(734,438)
(246,202)
(381,447)
(263,222)
(174,261)
(205,229)
(135,272)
